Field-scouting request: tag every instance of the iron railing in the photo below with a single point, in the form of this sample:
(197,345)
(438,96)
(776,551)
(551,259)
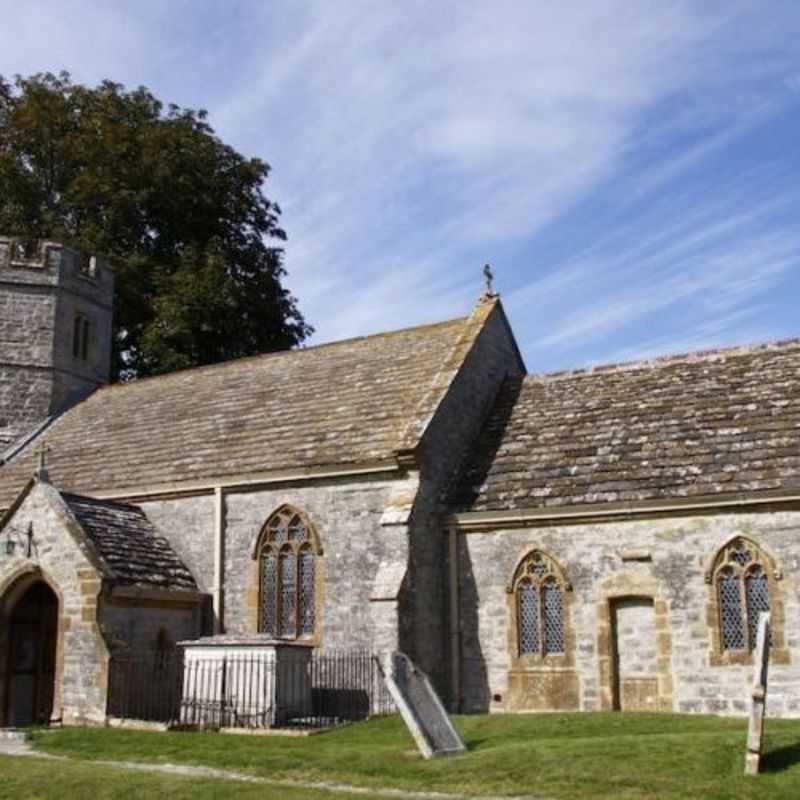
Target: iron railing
(247,691)
(146,687)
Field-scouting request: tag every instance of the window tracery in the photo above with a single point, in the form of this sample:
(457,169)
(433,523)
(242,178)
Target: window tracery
(286,555)
(741,582)
(539,600)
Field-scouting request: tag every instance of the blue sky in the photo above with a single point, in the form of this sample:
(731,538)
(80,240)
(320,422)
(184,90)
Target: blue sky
(630,169)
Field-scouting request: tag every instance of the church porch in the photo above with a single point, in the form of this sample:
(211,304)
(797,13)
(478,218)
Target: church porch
(65,605)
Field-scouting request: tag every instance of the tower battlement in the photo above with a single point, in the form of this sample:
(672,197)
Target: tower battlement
(55,331)
(42,260)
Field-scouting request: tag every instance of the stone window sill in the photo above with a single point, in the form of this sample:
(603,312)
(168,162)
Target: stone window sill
(533,663)
(729,658)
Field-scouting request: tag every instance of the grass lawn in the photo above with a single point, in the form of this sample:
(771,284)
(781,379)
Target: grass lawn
(550,755)
(34,779)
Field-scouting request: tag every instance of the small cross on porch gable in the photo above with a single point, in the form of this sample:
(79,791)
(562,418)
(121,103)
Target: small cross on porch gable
(41,452)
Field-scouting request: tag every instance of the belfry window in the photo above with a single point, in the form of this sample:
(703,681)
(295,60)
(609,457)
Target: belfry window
(26,250)
(742,586)
(287,555)
(539,600)
(81,332)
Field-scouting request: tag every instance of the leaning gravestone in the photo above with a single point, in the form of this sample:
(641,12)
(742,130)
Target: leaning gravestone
(421,708)
(755,733)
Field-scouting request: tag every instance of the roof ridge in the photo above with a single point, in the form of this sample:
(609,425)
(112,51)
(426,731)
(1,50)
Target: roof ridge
(690,357)
(278,353)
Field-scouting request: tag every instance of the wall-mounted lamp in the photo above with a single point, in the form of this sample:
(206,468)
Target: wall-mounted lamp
(19,539)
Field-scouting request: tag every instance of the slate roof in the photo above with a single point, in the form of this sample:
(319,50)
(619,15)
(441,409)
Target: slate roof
(128,545)
(348,402)
(724,422)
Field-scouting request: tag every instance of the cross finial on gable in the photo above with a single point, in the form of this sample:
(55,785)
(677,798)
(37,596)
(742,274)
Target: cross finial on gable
(41,451)
(489,276)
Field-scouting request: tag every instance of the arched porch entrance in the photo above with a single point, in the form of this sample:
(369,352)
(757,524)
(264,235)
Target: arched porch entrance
(31,664)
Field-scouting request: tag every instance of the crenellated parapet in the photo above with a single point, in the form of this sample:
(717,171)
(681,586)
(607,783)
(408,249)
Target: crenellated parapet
(55,330)
(42,261)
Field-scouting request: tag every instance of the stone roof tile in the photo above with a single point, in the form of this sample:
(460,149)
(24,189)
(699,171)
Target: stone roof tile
(347,402)
(128,545)
(702,424)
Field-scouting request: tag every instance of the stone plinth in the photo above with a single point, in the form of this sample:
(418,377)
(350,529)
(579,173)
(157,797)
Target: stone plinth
(253,681)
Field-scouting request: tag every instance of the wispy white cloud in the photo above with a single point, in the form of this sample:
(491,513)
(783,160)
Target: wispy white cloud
(453,130)
(710,270)
(650,179)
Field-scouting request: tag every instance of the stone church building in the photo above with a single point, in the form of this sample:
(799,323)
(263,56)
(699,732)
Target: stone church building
(597,539)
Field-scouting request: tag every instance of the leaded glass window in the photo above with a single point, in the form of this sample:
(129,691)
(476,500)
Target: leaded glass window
(730,607)
(528,600)
(269,586)
(756,592)
(552,617)
(742,593)
(539,589)
(287,553)
(288,595)
(306,588)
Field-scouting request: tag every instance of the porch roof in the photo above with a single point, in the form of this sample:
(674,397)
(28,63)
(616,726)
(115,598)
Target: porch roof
(127,544)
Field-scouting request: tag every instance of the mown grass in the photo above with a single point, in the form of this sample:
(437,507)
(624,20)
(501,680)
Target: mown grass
(37,779)
(550,755)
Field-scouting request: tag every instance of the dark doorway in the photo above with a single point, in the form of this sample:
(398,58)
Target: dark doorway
(32,656)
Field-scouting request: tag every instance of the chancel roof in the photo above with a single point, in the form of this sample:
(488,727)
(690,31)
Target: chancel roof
(127,545)
(715,423)
(350,402)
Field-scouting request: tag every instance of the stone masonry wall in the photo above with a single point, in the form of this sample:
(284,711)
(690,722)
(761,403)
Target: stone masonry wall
(91,299)
(38,301)
(347,515)
(27,323)
(607,560)
(445,444)
(82,655)
(24,393)
(138,628)
(188,523)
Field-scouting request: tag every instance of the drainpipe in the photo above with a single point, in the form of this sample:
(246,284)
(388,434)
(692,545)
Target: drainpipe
(455,648)
(218,589)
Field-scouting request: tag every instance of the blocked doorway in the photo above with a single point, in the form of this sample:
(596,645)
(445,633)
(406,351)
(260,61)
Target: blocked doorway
(31,666)
(635,679)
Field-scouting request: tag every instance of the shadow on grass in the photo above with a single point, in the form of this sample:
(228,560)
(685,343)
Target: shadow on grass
(781,759)
(475,744)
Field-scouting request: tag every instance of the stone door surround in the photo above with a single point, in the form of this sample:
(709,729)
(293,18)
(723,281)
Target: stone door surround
(12,590)
(633,587)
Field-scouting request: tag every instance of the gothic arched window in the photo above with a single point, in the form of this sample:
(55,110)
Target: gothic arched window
(741,582)
(287,552)
(539,604)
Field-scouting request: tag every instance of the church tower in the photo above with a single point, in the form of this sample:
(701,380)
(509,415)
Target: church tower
(55,331)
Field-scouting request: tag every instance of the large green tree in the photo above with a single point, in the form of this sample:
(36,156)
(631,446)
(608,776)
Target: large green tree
(182,216)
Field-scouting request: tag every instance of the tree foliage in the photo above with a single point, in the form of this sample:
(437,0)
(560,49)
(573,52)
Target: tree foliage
(182,216)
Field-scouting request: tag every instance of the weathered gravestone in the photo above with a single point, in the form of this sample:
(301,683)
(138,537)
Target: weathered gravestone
(755,733)
(421,708)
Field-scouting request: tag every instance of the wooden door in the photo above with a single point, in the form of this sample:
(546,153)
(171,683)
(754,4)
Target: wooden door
(32,656)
